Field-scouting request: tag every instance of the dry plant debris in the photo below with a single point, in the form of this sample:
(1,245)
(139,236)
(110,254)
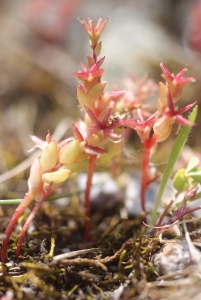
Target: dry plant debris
(113,267)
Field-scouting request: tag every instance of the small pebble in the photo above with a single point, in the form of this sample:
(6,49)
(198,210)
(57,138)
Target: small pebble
(175,257)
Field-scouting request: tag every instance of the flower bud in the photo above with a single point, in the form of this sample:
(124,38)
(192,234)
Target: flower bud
(81,152)
(56,177)
(69,152)
(175,83)
(49,157)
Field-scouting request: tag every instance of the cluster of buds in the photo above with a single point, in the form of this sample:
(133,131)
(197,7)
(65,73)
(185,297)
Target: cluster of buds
(168,95)
(138,92)
(158,126)
(56,163)
(166,115)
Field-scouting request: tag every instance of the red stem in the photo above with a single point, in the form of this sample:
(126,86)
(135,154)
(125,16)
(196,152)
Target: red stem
(145,166)
(90,172)
(148,146)
(162,217)
(18,212)
(29,220)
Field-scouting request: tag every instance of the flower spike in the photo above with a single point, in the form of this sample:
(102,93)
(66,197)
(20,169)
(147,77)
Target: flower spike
(169,77)
(175,83)
(93,31)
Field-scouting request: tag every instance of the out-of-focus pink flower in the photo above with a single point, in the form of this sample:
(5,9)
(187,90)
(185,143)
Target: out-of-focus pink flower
(137,92)
(50,18)
(193,32)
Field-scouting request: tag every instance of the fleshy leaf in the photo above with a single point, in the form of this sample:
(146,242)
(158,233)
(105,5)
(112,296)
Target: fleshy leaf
(93,118)
(49,157)
(77,166)
(91,61)
(93,139)
(162,90)
(83,98)
(77,134)
(96,91)
(56,177)
(97,64)
(94,150)
(179,180)
(69,152)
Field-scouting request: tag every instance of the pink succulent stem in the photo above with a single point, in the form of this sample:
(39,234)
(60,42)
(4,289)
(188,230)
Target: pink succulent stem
(145,166)
(29,220)
(148,145)
(163,216)
(90,172)
(18,212)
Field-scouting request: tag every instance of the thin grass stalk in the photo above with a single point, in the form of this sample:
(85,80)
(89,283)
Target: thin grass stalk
(174,155)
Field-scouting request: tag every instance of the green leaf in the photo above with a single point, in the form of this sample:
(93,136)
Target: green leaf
(179,180)
(193,163)
(196,175)
(174,155)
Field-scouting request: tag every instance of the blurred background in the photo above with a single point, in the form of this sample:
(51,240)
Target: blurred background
(42,43)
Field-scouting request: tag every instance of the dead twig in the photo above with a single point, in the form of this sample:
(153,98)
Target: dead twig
(84,261)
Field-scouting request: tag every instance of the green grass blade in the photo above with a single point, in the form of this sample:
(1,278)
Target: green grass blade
(50,198)
(10,201)
(174,155)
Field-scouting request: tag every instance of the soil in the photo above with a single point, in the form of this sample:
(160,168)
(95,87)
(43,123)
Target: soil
(117,262)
